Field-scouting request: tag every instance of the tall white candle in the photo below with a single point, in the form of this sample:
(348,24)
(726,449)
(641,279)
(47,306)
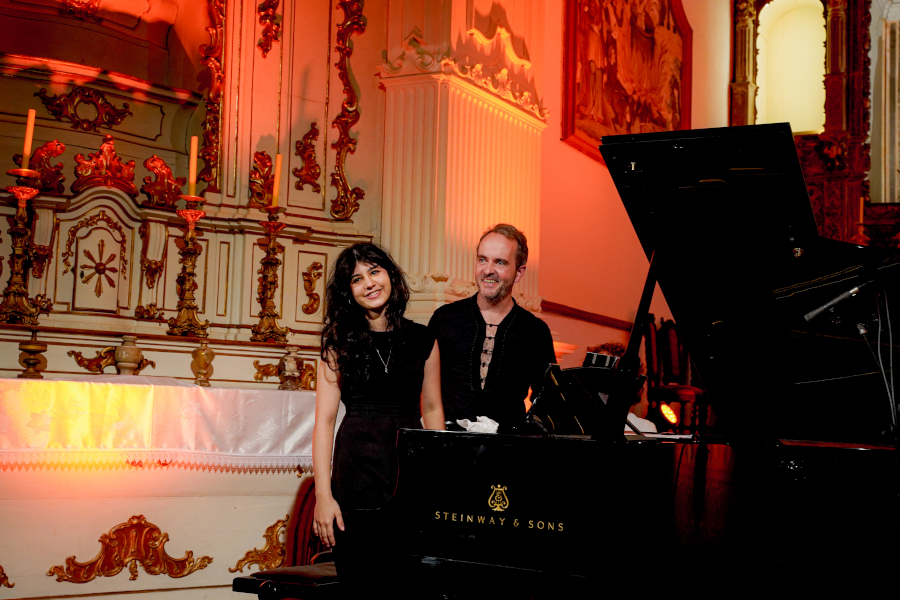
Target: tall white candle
(277,182)
(29,136)
(192,173)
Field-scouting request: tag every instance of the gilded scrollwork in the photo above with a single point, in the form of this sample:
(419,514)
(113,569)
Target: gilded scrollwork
(272,555)
(213,58)
(498,84)
(4,580)
(100,268)
(104,169)
(347,201)
(162,192)
(268,17)
(81,9)
(148,313)
(90,222)
(151,268)
(262,180)
(310,172)
(103,359)
(264,371)
(51,178)
(135,542)
(64,107)
(313,272)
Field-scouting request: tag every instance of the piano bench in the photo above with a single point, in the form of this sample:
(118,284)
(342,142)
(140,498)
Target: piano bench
(307,582)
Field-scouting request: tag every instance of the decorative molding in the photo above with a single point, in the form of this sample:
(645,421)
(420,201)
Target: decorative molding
(743,88)
(4,580)
(272,555)
(430,283)
(148,313)
(104,169)
(307,372)
(64,107)
(505,44)
(262,180)
(502,88)
(129,544)
(81,9)
(415,60)
(267,12)
(313,272)
(347,201)
(90,222)
(104,358)
(100,268)
(553,308)
(51,178)
(264,371)
(162,192)
(149,267)
(310,172)
(213,57)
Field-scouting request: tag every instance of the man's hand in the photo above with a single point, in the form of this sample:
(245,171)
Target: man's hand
(327,514)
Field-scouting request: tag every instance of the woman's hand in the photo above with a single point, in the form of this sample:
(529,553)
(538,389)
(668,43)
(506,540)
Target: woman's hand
(328,513)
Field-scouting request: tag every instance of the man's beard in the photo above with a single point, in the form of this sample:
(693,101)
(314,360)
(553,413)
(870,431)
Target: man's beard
(503,290)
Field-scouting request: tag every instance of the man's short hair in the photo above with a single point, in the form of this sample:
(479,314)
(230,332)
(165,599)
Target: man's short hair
(510,233)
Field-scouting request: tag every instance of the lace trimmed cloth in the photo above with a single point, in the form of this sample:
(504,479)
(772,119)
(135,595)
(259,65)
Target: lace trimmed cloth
(117,421)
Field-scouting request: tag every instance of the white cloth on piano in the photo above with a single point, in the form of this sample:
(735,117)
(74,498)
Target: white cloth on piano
(480,425)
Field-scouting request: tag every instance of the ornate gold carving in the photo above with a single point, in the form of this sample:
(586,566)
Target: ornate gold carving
(309,173)
(164,191)
(33,360)
(347,201)
(104,169)
(150,268)
(4,580)
(81,9)
(148,313)
(415,59)
(262,180)
(267,329)
(17,307)
(186,321)
(264,371)
(502,87)
(498,500)
(64,107)
(51,178)
(272,555)
(267,17)
(213,56)
(201,366)
(100,268)
(90,222)
(104,358)
(131,543)
(294,372)
(313,272)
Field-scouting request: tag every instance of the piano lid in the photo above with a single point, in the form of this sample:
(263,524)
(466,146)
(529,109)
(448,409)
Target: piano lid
(740,261)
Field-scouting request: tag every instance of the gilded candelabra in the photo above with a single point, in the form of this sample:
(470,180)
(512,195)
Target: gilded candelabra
(267,329)
(186,321)
(17,307)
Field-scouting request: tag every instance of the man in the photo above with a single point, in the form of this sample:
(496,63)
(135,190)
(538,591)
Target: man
(492,350)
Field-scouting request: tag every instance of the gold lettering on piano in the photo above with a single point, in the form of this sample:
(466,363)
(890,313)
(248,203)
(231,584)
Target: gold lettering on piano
(500,521)
(498,500)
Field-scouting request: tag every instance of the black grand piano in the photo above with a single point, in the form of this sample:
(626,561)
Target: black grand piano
(796,494)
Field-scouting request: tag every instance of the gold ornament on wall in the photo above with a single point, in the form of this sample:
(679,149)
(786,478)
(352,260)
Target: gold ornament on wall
(104,169)
(267,18)
(100,268)
(347,201)
(130,544)
(90,222)
(164,191)
(104,358)
(4,580)
(310,172)
(51,178)
(212,58)
(148,313)
(64,107)
(81,9)
(272,555)
(262,180)
(313,272)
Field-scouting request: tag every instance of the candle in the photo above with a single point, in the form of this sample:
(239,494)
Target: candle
(192,174)
(277,182)
(862,209)
(29,136)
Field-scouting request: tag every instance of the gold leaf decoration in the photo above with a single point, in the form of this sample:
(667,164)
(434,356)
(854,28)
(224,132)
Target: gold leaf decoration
(272,555)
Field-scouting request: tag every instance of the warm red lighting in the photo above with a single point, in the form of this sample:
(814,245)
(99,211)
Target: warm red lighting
(668,413)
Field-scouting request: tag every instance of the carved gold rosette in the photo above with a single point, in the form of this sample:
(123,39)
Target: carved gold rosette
(51,178)
(213,58)
(272,555)
(135,542)
(267,12)
(162,192)
(313,272)
(104,169)
(64,107)
(310,172)
(347,201)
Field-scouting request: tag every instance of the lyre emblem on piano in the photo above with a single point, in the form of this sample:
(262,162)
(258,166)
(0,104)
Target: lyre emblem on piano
(498,500)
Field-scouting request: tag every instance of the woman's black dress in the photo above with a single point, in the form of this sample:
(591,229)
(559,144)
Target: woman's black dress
(364,473)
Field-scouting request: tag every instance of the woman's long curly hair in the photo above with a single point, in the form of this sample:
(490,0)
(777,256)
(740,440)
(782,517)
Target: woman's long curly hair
(346,339)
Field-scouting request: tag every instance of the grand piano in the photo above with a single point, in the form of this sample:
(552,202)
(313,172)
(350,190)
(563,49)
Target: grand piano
(797,491)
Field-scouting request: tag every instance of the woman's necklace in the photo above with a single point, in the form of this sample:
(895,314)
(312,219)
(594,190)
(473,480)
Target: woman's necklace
(385,362)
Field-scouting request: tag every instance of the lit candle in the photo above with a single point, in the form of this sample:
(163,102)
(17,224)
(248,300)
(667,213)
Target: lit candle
(29,136)
(192,173)
(862,209)
(277,182)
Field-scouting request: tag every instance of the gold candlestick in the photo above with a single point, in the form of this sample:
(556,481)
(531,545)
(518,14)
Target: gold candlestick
(186,321)
(17,307)
(268,330)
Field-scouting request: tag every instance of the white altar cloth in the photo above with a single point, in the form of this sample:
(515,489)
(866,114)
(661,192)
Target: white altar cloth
(108,421)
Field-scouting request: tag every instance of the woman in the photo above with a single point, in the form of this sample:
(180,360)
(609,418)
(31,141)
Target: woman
(384,368)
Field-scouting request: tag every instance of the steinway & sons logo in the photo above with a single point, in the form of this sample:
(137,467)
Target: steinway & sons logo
(498,501)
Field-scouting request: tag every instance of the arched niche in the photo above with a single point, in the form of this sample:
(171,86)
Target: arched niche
(836,161)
